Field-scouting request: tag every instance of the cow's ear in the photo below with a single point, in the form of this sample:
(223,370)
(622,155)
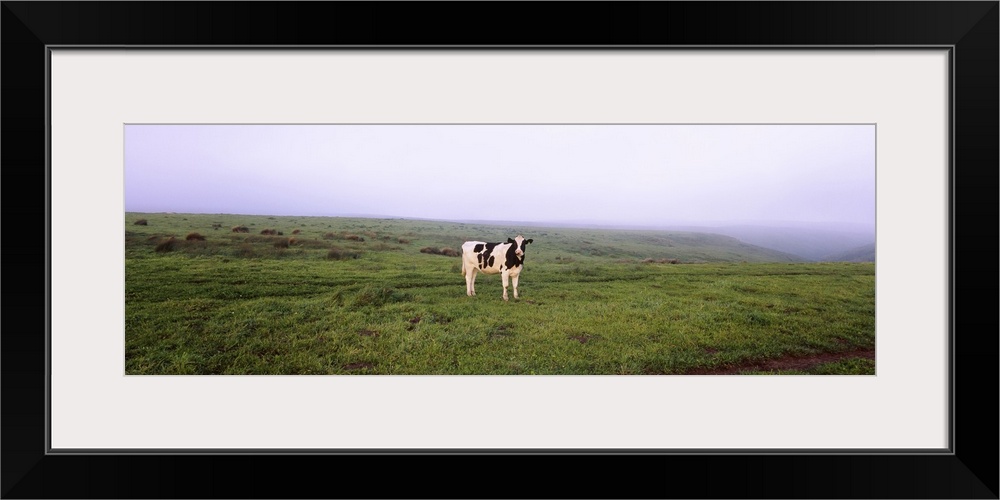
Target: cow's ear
(510,240)
(528,240)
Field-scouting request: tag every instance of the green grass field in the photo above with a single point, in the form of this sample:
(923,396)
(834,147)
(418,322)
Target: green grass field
(381,296)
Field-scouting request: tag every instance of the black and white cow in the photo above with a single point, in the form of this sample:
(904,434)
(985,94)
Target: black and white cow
(507,259)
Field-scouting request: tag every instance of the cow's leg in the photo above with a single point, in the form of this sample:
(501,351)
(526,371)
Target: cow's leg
(506,276)
(514,279)
(470,282)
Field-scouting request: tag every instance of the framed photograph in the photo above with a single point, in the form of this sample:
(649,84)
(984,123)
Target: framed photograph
(666,250)
(262,244)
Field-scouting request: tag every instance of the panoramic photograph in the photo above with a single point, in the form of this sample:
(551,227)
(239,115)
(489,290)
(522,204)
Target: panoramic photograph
(488,249)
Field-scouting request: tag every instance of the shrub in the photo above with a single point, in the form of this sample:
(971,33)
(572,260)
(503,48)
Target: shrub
(194,236)
(282,243)
(403,241)
(344,236)
(268,231)
(336,253)
(382,247)
(296,231)
(263,239)
(167,245)
(307,243)
(661,261)
(244,250)
(141,222)
(241,229)
(449,252)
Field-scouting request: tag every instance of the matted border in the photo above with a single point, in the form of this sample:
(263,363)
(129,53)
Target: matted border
(970,27)
(95,90)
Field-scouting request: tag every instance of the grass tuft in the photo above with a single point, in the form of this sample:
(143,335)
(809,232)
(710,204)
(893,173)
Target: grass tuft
(337,253)
(167,245)
(448,252)
(376,296)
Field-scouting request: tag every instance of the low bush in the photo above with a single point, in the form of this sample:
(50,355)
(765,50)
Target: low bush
(245,250)
(337,253)
(382,247)
(167,245)
(448,252)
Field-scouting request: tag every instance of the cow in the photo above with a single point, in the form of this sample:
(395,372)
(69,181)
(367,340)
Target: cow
(506,259)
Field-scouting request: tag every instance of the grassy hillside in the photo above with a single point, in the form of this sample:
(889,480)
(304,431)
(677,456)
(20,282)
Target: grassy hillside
(365,296)
(550,243)
(864,253)
(812,243)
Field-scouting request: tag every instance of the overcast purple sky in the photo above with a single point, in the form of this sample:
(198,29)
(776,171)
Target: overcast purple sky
(609,174)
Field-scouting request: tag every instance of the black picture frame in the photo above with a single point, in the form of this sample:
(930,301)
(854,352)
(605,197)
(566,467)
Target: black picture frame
(969,28)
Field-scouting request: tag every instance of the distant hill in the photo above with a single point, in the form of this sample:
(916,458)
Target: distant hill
(561,240)
(808,242)
(798,240)
(685,246)
(864,253)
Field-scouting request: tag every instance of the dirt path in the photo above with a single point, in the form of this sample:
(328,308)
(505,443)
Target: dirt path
(785,363)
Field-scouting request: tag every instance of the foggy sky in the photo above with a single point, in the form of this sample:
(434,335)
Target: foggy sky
(607,174)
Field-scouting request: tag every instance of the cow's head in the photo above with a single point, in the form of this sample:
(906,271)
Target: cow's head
(519,244)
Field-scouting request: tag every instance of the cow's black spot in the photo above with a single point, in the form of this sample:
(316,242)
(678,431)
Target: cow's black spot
(489,263)
(478,248)
(512,259)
